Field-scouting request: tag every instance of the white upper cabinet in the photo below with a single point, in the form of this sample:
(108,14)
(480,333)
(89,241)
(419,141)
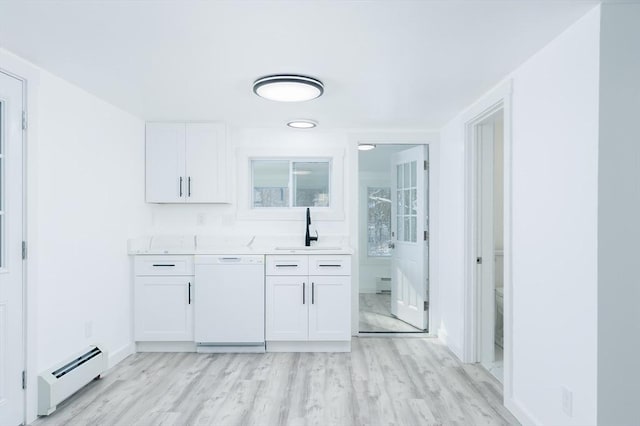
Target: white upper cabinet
(186,163)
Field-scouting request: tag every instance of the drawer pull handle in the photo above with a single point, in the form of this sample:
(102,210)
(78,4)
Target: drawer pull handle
(329,266)
(287,266)
(171,265)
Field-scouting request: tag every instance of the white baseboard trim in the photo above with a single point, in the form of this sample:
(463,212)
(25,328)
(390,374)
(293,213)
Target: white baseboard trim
(442,336)
(523,415)
(118,355)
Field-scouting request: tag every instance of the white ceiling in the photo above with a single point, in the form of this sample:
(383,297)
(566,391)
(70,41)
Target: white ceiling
(385,64)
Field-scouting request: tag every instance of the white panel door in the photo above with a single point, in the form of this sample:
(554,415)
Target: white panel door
(11,228)
(409,223)
(206,160)
(163,308)
(165,163)
(330,308)
(287,299)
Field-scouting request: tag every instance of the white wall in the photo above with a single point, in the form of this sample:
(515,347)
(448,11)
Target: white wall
(554,270)
(450,327)
(90,178)
(85,189)
(554,224)
(618,217)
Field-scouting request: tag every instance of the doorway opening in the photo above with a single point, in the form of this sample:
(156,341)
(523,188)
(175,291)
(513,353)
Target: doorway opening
(12,322)
(489,241)
(393,239)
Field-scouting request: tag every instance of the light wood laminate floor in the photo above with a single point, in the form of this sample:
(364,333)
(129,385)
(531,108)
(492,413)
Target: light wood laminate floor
(399,381)
(375,315)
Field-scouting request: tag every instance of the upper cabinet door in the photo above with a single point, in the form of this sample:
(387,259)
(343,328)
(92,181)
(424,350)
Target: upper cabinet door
(207,161)
(165,163)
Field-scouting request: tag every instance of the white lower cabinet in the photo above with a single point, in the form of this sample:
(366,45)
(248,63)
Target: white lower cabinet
(330,309)
(308,307)
(163,303)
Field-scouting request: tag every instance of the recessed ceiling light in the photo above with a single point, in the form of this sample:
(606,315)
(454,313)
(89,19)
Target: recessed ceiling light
(288,88)
(302,124)
(366,146)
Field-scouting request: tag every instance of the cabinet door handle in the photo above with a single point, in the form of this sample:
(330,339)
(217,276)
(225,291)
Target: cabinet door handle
(189,293)
(303,291)
(313,293)
(189,186)
(180,186)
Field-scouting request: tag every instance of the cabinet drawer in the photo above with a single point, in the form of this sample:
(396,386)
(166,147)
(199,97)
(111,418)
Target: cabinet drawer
(164,265)
(287,265)
(326,264)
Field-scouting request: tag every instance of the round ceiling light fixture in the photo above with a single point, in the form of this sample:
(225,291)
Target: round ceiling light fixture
(366,146)
(302,124)
(288,88)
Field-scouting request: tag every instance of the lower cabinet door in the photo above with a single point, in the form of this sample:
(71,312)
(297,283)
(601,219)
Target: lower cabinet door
(163,308)
(329,311)
(286,307)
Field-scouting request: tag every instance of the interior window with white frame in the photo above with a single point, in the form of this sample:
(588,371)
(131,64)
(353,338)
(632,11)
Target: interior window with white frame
(289,183)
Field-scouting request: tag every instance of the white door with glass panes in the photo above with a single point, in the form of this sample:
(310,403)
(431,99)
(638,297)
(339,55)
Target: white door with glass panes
(409,224)
(11,263)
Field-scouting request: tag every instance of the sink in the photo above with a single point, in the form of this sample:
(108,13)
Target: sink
(305,248)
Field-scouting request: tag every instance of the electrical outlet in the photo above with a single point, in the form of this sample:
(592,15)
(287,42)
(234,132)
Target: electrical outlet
(88,329)
(567,401)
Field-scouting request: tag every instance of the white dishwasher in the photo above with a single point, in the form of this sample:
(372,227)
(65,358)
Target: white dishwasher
(229,303)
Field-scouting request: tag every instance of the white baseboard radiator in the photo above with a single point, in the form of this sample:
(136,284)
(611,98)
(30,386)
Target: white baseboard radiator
(62,380)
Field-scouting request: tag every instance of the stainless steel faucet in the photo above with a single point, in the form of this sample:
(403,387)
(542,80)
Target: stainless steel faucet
(308,238)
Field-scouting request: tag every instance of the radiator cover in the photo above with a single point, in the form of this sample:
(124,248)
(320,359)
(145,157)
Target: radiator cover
(64,379)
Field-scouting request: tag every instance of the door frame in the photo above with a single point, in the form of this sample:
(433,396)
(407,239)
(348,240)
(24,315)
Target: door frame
(499,98)
(428,138)
(23,141)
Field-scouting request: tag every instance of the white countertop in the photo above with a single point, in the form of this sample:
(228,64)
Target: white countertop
(211,244)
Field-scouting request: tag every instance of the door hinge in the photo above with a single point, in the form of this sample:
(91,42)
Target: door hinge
(24,379)
(426,305)
(24,250)
(24,120)
(478,260)
(426,165)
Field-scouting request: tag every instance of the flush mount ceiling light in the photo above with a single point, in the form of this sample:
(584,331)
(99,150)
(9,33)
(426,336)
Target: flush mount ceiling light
(288,88)
(366,146)
(302,124)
